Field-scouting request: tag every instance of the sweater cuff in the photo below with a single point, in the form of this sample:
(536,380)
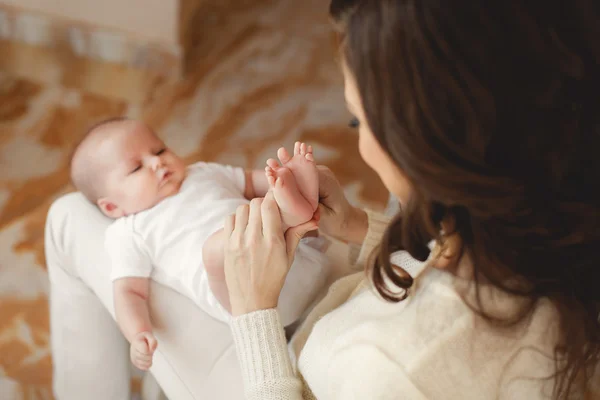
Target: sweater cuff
(261,347)
(378,223)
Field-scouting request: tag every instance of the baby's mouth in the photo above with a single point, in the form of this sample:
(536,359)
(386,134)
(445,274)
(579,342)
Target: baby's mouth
(165,176)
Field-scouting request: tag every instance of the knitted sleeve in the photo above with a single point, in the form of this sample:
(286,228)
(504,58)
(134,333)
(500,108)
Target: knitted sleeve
(263,356)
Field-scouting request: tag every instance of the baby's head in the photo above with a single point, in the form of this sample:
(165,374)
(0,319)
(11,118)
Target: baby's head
(124,168)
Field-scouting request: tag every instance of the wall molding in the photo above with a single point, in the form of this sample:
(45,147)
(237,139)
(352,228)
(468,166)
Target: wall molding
(86,40)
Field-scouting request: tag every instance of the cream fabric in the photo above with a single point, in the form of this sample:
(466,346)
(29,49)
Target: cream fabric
(195,358)
(355,345)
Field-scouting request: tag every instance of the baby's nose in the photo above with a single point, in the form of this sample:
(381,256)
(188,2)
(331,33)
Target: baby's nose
(156,163)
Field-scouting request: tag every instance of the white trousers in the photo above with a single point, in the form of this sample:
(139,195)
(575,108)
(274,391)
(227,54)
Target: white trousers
(195,358)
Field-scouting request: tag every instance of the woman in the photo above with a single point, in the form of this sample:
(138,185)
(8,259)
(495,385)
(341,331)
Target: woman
(482,119)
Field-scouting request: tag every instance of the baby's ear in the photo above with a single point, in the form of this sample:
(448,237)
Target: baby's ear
(109,208)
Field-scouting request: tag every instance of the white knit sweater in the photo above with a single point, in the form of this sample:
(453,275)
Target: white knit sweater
(354,345)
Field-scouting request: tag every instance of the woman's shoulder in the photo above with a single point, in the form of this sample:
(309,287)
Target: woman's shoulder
(429,331)
(368,329)
(365,317)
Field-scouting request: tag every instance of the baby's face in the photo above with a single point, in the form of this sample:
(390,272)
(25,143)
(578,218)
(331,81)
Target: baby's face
(140,170)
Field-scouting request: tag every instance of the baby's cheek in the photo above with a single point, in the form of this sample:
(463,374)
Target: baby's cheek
(179,165)
(149,189)
(142,192)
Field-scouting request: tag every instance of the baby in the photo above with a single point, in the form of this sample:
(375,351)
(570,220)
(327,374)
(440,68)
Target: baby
(169,221)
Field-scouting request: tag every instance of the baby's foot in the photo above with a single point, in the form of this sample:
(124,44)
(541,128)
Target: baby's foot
(305,171)
(294,208)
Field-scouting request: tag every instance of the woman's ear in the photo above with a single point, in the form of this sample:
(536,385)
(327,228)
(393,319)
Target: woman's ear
(109,208)
(449,252)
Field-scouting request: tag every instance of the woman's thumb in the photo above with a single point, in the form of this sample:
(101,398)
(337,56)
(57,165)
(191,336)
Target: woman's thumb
(293,236)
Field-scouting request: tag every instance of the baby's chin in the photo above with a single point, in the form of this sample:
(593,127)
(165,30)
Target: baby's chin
(170,188)
(138,208)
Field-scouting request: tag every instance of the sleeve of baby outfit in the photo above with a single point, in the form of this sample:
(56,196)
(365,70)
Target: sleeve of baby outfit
(364,371)
(127,252)
(378,223)
(263,356)
(234,174)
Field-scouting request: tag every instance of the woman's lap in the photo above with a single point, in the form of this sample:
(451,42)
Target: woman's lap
(195,358)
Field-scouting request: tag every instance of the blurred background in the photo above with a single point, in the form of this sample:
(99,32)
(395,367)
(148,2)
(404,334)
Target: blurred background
(227,81)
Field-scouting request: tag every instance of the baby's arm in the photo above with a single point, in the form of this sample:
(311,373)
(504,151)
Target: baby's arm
(256,184)
(131,310)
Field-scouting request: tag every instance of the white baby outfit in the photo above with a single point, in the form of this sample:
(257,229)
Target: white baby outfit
(165,242)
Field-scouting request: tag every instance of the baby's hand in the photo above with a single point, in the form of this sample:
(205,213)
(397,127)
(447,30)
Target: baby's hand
(141,350)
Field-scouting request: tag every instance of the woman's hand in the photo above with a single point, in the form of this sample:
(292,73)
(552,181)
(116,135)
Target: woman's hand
(337,217)
(258,255)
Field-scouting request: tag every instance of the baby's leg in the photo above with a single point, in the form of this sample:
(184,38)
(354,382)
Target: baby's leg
(302,165)
(294,207)
(214,260)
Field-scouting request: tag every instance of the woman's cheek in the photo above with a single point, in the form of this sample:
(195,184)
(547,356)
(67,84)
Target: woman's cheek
(363,149)
(389,173)
(400,187)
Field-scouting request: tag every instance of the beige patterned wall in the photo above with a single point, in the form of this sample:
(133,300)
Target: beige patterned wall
(125,41)
(262,74)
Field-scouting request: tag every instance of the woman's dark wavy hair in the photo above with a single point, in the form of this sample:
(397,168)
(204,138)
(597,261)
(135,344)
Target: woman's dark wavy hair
(491,109)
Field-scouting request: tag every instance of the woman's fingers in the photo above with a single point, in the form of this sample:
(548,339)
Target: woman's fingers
(255,219)
(271,218)
(241,219)
(293,236)
(326,181)
(229,225)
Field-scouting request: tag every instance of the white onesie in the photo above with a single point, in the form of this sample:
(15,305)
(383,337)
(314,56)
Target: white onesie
(165,242)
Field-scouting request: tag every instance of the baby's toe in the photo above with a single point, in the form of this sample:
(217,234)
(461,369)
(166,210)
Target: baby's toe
(272,163)
(283,155)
